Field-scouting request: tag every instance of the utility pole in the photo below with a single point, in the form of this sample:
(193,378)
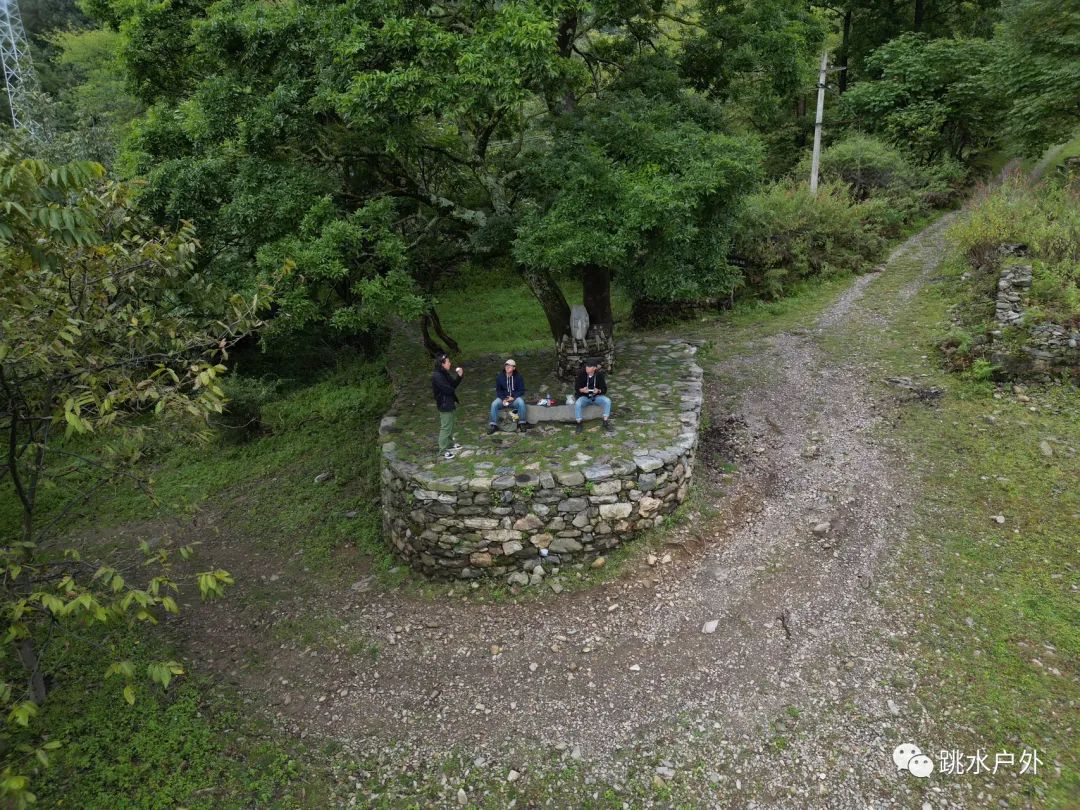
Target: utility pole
(19,77)
(814,163)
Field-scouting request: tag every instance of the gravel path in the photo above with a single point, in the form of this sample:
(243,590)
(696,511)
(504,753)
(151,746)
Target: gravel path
(784,574)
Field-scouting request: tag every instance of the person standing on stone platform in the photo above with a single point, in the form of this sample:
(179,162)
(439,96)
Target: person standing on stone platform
(444,383)
(591,389)
(509,393)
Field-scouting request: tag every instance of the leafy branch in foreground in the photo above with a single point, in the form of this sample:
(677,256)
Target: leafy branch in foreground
(100,343)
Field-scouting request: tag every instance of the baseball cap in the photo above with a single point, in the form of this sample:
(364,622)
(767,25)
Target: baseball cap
(510,362)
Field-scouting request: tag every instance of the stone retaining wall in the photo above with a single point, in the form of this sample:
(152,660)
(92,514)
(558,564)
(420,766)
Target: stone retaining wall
(522,525)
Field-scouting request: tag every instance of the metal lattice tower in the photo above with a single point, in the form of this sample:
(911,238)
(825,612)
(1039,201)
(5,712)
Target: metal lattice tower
(19,77)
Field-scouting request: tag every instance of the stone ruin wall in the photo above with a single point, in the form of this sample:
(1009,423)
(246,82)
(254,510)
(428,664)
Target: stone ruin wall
(1048,348)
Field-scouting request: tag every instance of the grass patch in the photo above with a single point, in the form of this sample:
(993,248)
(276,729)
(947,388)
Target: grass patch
(263,491)
(1053,158)
(493,312)
(192,746)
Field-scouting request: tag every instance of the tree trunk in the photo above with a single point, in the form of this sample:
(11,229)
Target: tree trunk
(431,346)
(436,323)
(551,298)
(596,288)
(920,13)
(800,114)
(842,57)
(32,664)
(564,41)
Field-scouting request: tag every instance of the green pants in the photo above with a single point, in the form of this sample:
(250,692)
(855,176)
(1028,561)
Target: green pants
(446,429)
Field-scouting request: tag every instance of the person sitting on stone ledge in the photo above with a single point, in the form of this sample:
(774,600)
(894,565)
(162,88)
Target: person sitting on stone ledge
(509,393)
(591,388)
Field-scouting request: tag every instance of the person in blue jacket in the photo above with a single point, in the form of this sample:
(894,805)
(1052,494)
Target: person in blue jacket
(509,393)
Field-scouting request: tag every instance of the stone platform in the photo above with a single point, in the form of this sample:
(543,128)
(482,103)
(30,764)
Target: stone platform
(509,503)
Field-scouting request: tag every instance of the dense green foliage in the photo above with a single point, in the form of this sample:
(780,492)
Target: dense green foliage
(1038,65)
(93,110)
(369,148)
(929,95)
(644,190)
(785,235)
(871,193)
(95,330)
(866,26)
(865,165)
(901,188)
(757,59)
(403,138)
(186,747)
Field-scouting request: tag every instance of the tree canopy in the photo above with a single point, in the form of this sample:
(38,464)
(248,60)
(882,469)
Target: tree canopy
(361,151)
(1038,67)
(402,137)
(931,95)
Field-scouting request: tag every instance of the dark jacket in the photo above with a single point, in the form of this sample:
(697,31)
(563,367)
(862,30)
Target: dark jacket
(598,382)
(443,383)
(513,388)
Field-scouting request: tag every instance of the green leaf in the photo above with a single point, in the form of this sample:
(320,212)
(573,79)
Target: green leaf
(21,713)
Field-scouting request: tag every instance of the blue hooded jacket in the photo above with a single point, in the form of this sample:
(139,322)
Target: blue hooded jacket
(512,387)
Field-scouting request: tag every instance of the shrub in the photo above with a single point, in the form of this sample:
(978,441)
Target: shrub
(783,234)
(1055,290)
(866,164)
(930,96)
(991,220)
(1041,226)
(943,183)
(1046,221)
(982,370)
(896,189)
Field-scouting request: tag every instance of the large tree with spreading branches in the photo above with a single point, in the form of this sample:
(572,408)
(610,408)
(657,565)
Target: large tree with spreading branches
(369,146)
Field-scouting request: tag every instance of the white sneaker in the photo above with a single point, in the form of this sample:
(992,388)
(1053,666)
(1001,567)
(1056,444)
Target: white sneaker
(449,454)
(455,446)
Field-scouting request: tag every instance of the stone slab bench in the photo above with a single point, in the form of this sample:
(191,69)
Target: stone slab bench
(551,413)
(561,413)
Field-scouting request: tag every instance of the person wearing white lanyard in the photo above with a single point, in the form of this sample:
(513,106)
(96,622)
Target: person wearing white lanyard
(591,388)
(509,393)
